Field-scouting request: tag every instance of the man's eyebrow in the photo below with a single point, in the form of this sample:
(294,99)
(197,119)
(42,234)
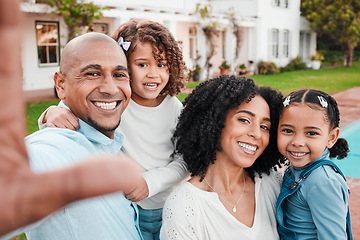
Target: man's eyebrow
(93,66)
(121,67)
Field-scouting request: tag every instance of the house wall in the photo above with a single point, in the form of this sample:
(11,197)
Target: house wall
(280,18)
(34,76)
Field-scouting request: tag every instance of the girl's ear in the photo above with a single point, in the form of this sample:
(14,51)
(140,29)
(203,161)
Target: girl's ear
(333,137)
(59,80)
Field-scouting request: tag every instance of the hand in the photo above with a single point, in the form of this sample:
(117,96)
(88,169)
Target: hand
(60,118)
(105,174)
(139,191)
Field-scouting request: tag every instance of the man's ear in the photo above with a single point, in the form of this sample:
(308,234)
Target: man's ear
(59,81)
(333,137)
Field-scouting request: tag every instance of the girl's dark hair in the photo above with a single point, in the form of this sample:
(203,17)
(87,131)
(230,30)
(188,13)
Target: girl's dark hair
(311,98)
(162,41)
(197,135)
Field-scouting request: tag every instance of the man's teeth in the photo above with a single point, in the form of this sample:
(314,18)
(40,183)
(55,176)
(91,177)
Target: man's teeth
(298,154)
(106,106)
(247,147)
(151,85)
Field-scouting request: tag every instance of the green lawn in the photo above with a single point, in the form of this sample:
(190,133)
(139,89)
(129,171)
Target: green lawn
(330,80)
(33,112)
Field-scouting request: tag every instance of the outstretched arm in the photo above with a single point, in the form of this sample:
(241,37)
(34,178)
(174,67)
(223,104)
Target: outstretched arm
(22,199)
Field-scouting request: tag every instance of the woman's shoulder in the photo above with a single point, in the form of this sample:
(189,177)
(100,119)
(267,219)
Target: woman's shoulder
(181,194)
(270,184)
(274,179)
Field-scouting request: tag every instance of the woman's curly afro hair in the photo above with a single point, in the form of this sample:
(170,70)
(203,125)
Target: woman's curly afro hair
(161,41)
(197,135)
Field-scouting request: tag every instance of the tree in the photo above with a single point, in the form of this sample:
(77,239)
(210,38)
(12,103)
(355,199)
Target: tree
(338,19)
(211,31)
(76,14)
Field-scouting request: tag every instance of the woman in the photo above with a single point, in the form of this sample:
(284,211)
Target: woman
(227,137)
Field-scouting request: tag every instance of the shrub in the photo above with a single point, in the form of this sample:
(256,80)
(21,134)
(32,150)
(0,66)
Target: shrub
(267,68)
(294,64)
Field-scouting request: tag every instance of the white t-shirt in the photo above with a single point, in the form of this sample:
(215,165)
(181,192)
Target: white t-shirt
(191,213)
(147,135)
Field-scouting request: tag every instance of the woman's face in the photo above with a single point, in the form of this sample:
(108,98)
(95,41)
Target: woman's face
(246,133)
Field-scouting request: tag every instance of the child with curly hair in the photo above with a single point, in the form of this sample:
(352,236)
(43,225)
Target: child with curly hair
(157,74)
(313,203)
(227,136)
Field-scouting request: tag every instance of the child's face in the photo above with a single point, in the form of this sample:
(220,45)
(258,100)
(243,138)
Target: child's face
(303,134)
(148,76)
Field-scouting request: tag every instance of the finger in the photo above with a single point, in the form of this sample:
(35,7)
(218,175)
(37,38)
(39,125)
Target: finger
(50,125)
(69,126)
(74,122)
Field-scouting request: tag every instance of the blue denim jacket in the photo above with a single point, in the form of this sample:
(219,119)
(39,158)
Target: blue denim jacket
(290,186)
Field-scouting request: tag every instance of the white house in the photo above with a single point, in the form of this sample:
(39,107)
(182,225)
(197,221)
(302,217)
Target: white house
(270,30)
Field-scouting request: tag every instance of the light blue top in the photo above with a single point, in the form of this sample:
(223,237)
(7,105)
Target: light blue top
(318,209)
(106,217)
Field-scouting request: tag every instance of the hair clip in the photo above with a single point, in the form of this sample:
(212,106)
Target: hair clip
(323,101)
(286,102)
(124,45)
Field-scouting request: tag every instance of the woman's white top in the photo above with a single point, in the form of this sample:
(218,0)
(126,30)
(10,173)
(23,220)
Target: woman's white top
(191,213)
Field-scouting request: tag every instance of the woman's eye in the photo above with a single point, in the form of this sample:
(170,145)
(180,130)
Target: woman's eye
(161,65)
(142,65)
(244,120)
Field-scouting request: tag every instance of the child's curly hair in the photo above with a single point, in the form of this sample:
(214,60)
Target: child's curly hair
(162,41)
(311,98)
(197,135)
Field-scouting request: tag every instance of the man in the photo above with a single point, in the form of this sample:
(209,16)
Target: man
(27,197)
(93,83)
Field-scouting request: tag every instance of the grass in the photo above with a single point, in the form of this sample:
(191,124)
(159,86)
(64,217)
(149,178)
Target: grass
(330,80)
(33,111)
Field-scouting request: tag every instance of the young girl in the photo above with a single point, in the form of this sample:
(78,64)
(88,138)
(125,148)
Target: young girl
(157,73)
(313,202)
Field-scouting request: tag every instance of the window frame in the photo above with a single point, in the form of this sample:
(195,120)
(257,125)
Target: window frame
(286,43)
(275,43)
(47,45)
(193,43)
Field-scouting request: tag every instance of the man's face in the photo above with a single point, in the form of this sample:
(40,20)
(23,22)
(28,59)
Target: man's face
(96,86)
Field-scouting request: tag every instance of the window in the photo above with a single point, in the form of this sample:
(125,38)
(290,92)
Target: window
(100,27)
(275,43)
(286,43)
(223,33)
(47,43)
(281,3)
(192,42)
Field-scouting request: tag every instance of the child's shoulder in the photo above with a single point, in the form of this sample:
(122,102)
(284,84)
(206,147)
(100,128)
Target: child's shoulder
(325,175)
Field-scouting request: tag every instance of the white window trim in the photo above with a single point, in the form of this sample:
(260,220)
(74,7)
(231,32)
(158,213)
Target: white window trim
(274,45)
(57,45)
(286,43)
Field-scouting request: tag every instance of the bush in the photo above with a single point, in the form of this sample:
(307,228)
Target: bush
(334,56)
(267,68)
(295,64)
